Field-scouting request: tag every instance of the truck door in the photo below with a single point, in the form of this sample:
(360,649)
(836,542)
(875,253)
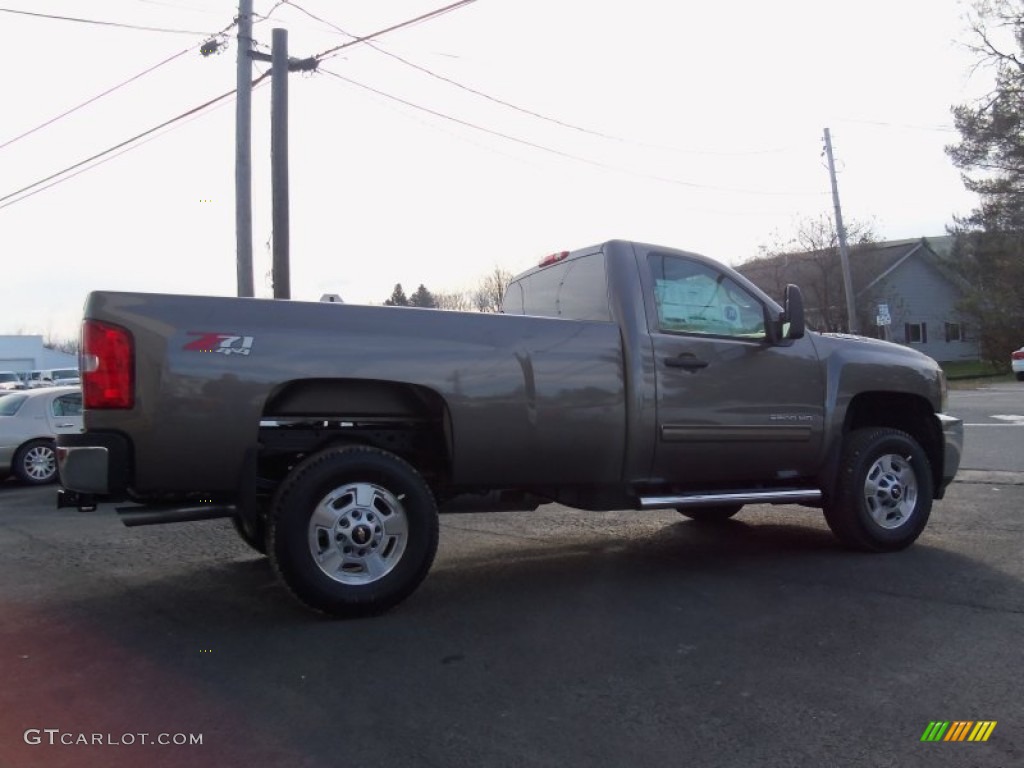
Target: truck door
(731,406)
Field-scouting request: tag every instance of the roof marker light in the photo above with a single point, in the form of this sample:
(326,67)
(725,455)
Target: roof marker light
(554,258)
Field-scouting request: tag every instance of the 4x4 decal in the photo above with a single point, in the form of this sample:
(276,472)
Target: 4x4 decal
(225,343)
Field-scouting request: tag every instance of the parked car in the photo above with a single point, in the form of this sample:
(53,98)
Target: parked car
(10,381)
(29,423)
(1017,363)
(53,377)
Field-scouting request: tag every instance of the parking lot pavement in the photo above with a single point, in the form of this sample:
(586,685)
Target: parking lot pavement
(555,638)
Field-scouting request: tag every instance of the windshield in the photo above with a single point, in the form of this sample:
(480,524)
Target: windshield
(66,373)
(9,405)
(8,376)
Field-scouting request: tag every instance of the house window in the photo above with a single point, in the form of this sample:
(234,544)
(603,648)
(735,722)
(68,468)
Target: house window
(916,333)
(954,332)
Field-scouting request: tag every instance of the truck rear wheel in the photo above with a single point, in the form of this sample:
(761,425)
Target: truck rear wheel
(884,493)
(712,514)
(353,531)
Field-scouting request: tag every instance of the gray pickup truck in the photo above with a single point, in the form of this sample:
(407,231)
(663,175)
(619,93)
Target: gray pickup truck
(622,376)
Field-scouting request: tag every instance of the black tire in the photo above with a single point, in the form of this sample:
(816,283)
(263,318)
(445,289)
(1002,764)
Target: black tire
(35,463)
(1020,375)
(255,536)
(713,514)
(884,491)
(353,531)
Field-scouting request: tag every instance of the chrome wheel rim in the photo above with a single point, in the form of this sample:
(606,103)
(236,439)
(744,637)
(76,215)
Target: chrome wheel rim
(890,491)
(40,463)
(358,533)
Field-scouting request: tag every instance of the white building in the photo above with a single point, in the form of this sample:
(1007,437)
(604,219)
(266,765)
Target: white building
(27,353)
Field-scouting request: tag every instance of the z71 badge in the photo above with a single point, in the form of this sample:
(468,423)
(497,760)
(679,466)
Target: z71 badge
(225,343)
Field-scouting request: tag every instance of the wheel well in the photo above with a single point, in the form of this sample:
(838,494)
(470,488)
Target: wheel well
(308,415)
(909,413)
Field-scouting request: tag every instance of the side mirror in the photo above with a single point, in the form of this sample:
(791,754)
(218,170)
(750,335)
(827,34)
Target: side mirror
(794,312)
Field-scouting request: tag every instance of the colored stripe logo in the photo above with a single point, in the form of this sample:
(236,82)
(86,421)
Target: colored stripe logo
(958,730)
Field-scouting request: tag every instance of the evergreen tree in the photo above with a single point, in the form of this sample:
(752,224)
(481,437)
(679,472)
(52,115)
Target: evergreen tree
(989,242)
(398,298)
(422,298)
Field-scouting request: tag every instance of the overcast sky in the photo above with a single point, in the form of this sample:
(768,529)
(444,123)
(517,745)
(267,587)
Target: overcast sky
(694,125)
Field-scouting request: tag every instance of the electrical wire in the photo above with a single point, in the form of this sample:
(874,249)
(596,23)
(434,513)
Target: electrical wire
(524,110)
(331,52)
(110,157)
(98,96)
(104,23)
(132,140)
(120,85)
(883,124)
(558,152)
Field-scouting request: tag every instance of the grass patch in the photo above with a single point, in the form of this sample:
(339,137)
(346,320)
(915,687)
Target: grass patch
(972,369)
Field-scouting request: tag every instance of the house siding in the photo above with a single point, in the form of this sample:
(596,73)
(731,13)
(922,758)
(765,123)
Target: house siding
(917,293)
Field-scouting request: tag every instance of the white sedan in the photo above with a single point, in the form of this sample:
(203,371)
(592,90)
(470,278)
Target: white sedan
(29,422)
(1017,363)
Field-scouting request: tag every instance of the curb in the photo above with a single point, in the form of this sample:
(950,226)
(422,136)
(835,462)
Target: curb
(989,477)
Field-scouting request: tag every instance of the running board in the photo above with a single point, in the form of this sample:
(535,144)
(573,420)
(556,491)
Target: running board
(143,515)
(782,496)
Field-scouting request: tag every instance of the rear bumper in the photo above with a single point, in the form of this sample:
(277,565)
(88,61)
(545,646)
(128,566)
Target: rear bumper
(94,463)
(953,446)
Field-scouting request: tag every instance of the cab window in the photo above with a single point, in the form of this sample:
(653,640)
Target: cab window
(692,297)
(574,289)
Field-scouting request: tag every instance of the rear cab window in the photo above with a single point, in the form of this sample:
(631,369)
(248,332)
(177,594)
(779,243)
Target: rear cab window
(574,288)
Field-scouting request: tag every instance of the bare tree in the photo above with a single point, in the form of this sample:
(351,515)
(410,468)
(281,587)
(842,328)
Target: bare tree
(491,289)
(69,346)
(810,258)
(458,301)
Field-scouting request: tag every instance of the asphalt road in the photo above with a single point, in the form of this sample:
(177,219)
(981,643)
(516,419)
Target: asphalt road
(554,638)
(994,426)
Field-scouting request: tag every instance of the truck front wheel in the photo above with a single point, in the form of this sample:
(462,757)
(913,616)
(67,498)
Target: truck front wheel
(884,492)
(353,531)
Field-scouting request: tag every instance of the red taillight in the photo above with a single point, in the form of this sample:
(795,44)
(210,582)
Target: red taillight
(108,364)
(1019,354)
(554,258)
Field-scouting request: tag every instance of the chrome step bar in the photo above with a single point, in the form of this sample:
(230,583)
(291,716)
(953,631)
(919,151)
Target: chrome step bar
(781,496)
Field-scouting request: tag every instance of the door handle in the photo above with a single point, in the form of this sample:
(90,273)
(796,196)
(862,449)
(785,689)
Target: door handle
(64,425)
(686,360)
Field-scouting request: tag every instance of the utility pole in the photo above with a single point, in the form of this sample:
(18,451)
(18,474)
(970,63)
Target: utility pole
(279,162)
(844,250)
(243,151)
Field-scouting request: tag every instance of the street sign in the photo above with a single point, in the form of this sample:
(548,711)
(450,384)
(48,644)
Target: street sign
(883,315)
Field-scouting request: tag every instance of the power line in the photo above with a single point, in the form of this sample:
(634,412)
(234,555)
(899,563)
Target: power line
(98,96)
(120,85)
(330,52)
(450,81)
(883,124)
(108,158)
(133,139)
(103,23)
(552,150)
(516,107)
